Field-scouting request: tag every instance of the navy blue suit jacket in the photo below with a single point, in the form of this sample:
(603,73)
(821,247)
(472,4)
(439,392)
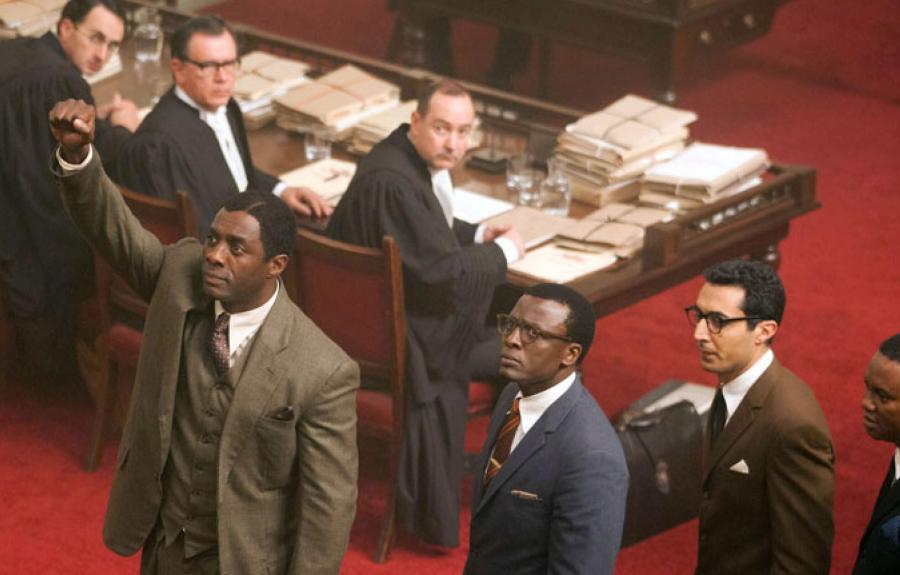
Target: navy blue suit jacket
(558,503)
(879,549)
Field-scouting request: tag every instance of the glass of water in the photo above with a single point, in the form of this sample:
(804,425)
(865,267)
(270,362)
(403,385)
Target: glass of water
(148,36)
(523,180)
(317,144)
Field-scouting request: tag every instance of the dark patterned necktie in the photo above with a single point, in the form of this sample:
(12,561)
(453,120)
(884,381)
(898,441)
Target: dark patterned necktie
(218,344)
(717,415)
(504,442)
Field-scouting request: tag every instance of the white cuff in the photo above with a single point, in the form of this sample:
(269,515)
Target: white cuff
(279,189)
(479,234)
(69,168)
(509,249)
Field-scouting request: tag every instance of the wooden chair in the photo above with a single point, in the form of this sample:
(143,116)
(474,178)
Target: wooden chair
(355,295)
(122,312)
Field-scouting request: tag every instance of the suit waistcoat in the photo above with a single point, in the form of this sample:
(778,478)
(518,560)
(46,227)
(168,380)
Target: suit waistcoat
(202,401)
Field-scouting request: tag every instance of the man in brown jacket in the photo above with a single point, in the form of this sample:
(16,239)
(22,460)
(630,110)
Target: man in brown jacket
(239,453)
(768,472)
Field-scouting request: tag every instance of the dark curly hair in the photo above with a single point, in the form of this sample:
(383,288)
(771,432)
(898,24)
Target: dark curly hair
(763,291)
(890,348)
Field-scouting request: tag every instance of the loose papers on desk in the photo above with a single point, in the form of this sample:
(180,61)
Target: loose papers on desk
(28,17)
(703,173)
(329,178)
(607,152)
(262,77)
(112,67)
(338,100)
(476,208)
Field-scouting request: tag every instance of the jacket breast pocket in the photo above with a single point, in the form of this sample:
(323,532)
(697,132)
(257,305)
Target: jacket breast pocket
(277,452)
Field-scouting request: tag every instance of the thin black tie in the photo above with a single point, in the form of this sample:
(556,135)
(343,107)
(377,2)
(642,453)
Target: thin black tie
(717,415)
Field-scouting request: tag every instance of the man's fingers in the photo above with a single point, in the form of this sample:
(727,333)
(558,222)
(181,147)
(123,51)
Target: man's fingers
(81,126)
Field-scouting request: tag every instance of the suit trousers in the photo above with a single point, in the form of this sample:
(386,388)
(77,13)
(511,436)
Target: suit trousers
(157,558)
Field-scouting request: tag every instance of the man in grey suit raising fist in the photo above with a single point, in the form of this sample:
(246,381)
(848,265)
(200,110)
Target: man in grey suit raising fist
(239,453)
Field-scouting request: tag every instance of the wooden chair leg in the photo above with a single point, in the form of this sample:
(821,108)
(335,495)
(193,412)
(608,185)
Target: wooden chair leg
(388,528)
(105,400)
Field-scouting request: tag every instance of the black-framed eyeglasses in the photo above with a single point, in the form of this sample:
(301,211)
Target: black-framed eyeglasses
(715,321)
(506,324)
(208,68)
(99,40)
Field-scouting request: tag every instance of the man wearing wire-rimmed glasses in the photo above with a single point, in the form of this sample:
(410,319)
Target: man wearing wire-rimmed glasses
(768,465)
(194,139)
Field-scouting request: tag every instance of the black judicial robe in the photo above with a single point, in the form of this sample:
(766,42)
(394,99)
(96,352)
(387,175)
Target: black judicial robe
(449,282)
(879,548)
(175,150)
(35,74)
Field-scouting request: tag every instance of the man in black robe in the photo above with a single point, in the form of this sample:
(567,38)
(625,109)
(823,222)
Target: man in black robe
(45,265)
(403,189)
(194,139)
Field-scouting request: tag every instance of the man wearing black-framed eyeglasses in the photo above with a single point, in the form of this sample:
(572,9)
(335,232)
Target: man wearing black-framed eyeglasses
(46,267)
(195,140)
(768,462)
(552,465)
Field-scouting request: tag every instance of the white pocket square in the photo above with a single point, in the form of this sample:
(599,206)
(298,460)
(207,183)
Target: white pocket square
(740,467)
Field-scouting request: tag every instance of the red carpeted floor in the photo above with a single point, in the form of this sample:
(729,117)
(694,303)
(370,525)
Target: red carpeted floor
(822,89)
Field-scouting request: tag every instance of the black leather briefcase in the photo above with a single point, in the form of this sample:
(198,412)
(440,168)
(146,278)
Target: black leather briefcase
(663,451)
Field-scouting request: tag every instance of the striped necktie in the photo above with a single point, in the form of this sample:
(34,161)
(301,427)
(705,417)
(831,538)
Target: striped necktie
(218,344)
(504,442)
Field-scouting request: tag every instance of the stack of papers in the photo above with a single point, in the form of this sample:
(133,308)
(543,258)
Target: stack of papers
(28,17)
(329,178)
(262,78)
(606,153)
(617,227)
(702,174)
(560,263)
(338,100)
(375,128)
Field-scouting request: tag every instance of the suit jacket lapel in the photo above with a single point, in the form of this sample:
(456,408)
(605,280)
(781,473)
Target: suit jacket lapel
(534,440)
(497,418)
(261,376)
(888,499)
(743,417)
(186,301)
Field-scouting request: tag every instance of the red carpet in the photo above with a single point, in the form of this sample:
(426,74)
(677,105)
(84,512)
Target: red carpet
(822,89)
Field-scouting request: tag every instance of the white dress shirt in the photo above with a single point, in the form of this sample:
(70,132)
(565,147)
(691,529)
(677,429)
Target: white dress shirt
(897,465)
(218,121)
(735,390)
(531,408)
(242,326)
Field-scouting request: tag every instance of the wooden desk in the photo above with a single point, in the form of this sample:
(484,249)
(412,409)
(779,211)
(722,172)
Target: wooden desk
(750,224)
(663,34)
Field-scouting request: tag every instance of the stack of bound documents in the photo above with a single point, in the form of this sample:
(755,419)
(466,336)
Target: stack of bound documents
(375,128)
(28,17)
(702,174)
(263,77)
(338,100)
(607,152)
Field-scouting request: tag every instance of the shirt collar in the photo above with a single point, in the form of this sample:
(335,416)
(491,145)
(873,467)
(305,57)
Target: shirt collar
(897,464)
(735,390)
(531,408)
(244,324)
(205,115)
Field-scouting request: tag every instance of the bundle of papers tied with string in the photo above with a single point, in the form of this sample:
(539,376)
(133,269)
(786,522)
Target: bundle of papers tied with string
(373,129)
(262,78)
(606,153)
(28,17)
(338,101)
(702,174)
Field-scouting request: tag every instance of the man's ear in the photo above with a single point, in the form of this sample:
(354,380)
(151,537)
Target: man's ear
(765,331)
(276,265)
(65,28)
(571,354)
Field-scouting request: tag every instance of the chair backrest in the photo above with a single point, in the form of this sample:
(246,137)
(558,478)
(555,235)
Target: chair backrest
(355,295)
